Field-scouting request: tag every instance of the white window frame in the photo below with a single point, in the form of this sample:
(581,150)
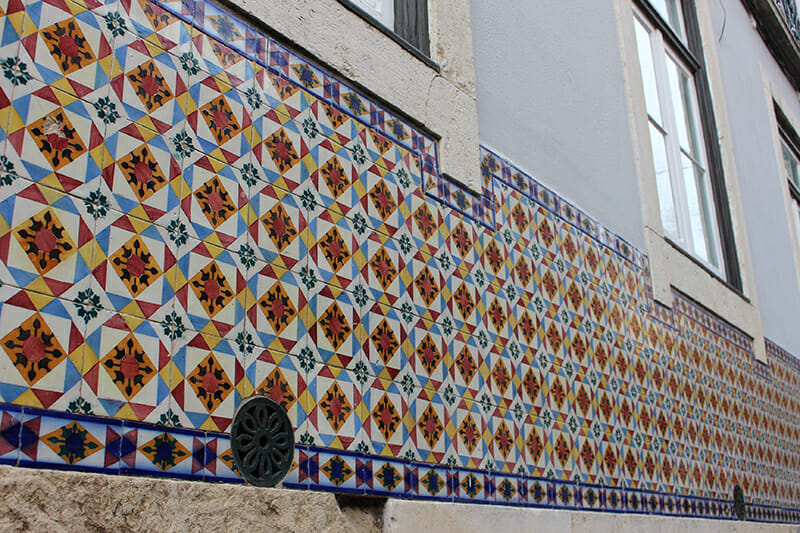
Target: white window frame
(380,10)
(683,234)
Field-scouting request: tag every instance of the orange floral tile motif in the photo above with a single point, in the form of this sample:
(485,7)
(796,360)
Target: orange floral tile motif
(501,376)
(281,150)
(534,445)
(384,341)
(150,85)
(503,439)
(129,367)
(57,139)
(462,239)
(68,45)
(334,249)
(215,201)
(277,307)
(45,240)
(336,407)
(384,268)
(335,177)
(279,227)
(220,119)
(226,56)
(469,433)
(33,348)
(382,200)
(497,315)
(431,426)
(284,88)
(142,173)
(427,286)
(72,443)
(135,265)
(212,289)
(425,222)
(335,326)
(164,451)
(158,18)
(278,389)
(466,365)
(428,354)
(464,300)
(210,383)
(386,417)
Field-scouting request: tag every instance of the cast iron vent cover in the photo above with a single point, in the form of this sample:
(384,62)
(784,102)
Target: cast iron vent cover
(739,507)
(262,441)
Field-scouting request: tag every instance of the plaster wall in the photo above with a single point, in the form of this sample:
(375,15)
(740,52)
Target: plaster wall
(555,104)
(752,79)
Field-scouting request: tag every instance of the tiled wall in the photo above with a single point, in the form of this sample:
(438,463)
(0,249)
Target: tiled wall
(191,214)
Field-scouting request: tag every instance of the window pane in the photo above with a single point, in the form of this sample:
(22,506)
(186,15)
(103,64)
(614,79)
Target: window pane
(681,88)
(796,206)
(665,201)
(382,10)
(670,11)
(701,211)
(648,72)
(792,165)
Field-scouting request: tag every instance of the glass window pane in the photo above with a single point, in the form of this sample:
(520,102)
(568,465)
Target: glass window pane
(702,220)
(670,11)
(648,71)
(683,97)
(667,205)
(797,219)
(792,165)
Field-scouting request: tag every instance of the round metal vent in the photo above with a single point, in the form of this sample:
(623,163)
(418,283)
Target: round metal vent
(739,507)
(262,441)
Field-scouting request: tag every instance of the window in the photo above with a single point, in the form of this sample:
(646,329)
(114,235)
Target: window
(686,160)
(408,19)
(790,148)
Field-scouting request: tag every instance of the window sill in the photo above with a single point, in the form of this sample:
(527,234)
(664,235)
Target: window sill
(677,247)
(408,47)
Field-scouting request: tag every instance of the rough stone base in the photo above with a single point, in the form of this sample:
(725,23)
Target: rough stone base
(45,500)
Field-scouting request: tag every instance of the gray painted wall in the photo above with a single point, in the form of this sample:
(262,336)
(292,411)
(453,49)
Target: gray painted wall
(761,179)
(556,106)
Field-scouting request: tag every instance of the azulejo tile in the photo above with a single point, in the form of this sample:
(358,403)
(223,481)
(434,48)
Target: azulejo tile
(281,151)
(70,48)
(154,452)
(154,24)
(215,202)
(336,330)
(218,464)
(71,442)
(43,350)
(223,59)
(53,137)
(152,86)
(11,436)
(332,471)
(335,407)
(134,267)
(46,240)
(220,118)
(277,308)
(125,372)
(425,420)
(385,347)
(336,181)
(278,227)
(203,381)
(141,176)
(335,250)
(211,289)
(281,377)
(385,405)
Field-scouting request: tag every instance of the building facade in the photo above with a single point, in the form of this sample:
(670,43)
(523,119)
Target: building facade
(540,259)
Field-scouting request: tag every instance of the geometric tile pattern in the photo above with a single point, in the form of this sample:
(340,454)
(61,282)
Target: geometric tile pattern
(191,213)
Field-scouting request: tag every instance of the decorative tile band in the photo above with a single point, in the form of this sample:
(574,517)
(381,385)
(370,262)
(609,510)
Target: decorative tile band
(191,214)
(66,441)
